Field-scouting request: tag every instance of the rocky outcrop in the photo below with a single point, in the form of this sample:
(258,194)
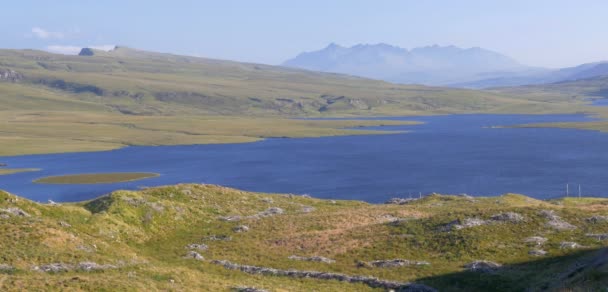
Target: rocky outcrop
(597,219)
(569,245)
(556,222)
(369,281)
(194,255)
(10,75)
(598,236)
(401,201)
(395,263)
(537,240)
(483,266)
(15,212)
(312,259)
(82,266)
(197,246)
(508,217)
(240,229)
(266,213)
(537,252)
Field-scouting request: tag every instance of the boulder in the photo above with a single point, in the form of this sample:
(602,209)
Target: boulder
(511,217)
(194,255)
(240,229)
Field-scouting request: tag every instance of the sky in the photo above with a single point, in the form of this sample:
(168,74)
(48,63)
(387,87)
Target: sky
(544,33)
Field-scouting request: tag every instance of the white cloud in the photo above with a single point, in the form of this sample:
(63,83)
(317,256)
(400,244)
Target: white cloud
(45,34)
(74,50)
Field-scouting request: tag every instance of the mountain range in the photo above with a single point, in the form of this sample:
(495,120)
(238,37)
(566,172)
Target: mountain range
(437,65)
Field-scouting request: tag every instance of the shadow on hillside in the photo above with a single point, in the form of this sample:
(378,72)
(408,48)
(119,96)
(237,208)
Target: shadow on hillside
(585,270)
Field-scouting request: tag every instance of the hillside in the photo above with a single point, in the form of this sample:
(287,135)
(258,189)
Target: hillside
(431,65)
(204,237)
(138,82)
(56,103)
(584,71)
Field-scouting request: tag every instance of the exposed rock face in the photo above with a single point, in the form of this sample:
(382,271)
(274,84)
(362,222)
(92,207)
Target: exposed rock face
(218,238)
(86,52)
(483,266)
(312,259)
(369,281)
(396,263)
(556,222)
(10,75)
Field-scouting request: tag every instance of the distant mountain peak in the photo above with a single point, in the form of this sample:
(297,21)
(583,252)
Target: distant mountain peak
(433,65)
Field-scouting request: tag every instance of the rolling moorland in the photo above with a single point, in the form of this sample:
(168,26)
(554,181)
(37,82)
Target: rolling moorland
(203,237)
(210,238)
(56,103)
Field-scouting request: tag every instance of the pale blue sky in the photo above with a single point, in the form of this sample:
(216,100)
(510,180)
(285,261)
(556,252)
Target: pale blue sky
(552,33)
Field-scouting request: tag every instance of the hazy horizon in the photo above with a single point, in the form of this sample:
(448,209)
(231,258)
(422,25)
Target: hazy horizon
(544,33)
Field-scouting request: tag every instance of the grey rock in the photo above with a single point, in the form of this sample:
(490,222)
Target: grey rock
(597,219)
(307,209)
(538,240)
(508,217)
(92,266)
(247,289)
(15,211)
(241,228)
(569,245)
(483,266)
(53,268)
(197,246)
(369,281)
(556,222)
(598,236)
(6,268)
(194,255)
(218,238)
(396,263)
(312,259)
(401,201)
(537,252)
(10,75)
(267,200)
(64,224)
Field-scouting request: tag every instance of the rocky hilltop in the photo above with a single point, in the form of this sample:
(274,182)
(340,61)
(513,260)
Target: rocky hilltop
(212,238)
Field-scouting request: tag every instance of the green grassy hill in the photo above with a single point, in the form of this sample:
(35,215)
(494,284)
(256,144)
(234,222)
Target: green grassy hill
(138,82)
(183,237)
(55,103)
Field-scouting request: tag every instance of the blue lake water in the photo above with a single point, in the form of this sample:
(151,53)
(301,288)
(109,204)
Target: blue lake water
(447,154)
